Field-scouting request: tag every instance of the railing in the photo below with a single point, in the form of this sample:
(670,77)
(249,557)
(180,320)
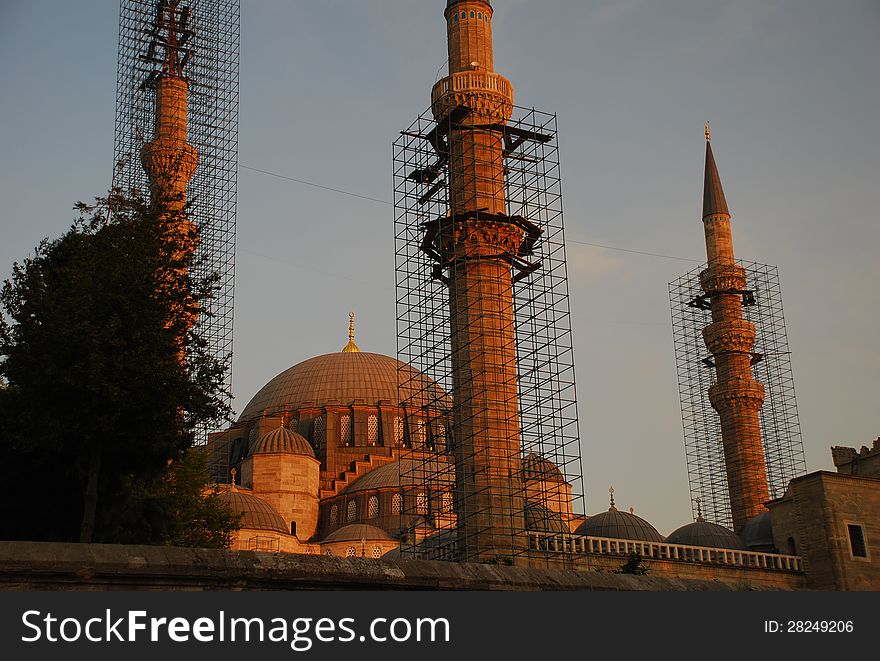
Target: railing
(582,545)
(472,81)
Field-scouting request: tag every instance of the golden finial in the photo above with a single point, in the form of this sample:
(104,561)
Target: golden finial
(233,472)
(611,491)
(351,347)
(699,510)
(708,134)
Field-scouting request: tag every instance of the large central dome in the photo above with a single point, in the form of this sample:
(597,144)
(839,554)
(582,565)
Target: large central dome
(342,378)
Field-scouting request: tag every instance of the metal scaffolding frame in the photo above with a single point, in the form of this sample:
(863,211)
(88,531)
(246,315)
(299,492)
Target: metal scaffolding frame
(771,366)
(543,444)
(207,52)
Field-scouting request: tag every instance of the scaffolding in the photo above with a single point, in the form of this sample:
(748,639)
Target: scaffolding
(201,37)
(771,366)
(503,446)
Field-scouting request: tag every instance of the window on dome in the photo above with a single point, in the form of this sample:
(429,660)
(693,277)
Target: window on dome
(320,431)
(479,16)
(334,515)
(396,503)
(421,503)
(350,552)
(377,552)
(398,431)
(464,14)
(420,434)
(446,502)
(345,434)
(293,528)
(352,511)
(472,14)
(373,507)
(373,429)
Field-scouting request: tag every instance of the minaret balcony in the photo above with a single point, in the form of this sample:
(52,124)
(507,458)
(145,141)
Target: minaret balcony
(734,394)
(729,336)
(723,278)
(485,92)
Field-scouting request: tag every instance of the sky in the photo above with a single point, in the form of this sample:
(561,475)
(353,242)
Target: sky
(792,91)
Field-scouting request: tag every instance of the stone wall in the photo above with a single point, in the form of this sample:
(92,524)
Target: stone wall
(57,566)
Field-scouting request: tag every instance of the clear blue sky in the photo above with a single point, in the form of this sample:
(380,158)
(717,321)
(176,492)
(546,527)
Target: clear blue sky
(791,88)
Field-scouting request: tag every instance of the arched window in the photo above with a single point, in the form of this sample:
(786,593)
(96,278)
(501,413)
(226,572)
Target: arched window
(396,503)
(377,552)
(479,16)
(373,429)
(446,502)
(421,503)
(472,14)
(350,552)
(792,547)
(345,429)
(398,431)
(334,515)
(293,528)
(293,425)
(373,507)
(352,511)
(320,431)
(419,434)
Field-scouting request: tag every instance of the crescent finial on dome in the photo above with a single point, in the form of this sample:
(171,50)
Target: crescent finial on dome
(351,347)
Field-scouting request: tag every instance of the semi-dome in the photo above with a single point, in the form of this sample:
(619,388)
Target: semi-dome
(356,532)
(283,441)
(341,378)
(536,467)
(541,519)
(757,533)
(256,514)
(703,533)
(388,476)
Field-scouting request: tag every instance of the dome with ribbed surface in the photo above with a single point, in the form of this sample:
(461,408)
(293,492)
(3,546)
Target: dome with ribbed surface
(619,525)
(342,378)
(256,514)
(541,519)
(355,532)
(283,441)
(703,533)
(388,476)
(536,467)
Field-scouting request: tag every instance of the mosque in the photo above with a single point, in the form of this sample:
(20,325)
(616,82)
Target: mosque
(315,459)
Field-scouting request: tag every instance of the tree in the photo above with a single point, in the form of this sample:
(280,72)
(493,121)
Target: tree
(633,565)
(107,377)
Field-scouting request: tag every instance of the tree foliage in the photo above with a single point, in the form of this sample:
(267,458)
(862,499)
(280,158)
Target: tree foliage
(106,377)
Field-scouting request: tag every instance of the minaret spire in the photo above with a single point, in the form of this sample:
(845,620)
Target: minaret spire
(351,347)
(736,395)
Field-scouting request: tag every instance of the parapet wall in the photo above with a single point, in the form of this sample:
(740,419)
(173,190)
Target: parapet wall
(73,567)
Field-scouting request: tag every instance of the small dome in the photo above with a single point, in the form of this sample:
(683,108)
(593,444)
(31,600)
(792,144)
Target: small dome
(542,519)
(388,476)
(757,533)
(703,533)
(282,440)
(536,467)
(355,532)
(619,525)
(256,514)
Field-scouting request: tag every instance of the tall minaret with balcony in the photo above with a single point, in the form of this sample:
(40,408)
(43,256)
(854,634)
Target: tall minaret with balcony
(736,395)
(471,105)
(168,159)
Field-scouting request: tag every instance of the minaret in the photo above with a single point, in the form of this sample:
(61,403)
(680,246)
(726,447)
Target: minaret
(472,104)
(736,396)
(168,159)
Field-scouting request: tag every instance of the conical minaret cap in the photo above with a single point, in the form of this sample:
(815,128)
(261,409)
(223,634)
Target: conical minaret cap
(713,194)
